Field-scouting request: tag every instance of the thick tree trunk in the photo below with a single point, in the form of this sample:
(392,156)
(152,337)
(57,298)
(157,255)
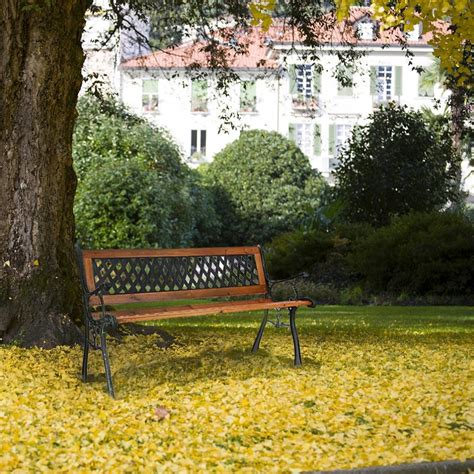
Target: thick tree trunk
(40,77)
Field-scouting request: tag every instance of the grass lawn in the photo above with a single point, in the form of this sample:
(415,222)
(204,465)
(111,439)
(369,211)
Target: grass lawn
(379,385)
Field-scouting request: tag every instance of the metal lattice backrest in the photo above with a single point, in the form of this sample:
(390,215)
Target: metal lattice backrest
(171,274)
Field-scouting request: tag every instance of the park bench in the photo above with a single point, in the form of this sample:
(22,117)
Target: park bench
(111,277)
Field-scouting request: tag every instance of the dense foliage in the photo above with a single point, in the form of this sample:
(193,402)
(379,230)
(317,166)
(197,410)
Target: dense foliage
(393,165)
(417,258)
(265,186)
(419,254)
(133,190)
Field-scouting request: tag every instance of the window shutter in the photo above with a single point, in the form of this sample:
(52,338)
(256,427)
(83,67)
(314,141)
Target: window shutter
(398,80)
(348,90)
(317,140)
(425,85)
(373,80)
(199,95)
(332,139)
(292,77)
(316,82)
(292,132)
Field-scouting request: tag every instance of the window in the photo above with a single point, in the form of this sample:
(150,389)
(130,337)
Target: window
(384,83)
(343,132)
(305,86)
(248,96)
(338,135)
(150,95)
(304,77)
(199,95)
(198,142)
(302,134)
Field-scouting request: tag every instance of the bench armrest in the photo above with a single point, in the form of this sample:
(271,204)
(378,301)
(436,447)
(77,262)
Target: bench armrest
(291,281)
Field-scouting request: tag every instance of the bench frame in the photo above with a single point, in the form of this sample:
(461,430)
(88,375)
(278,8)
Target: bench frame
(96,296)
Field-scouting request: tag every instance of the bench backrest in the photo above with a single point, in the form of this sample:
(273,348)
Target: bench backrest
(170,274)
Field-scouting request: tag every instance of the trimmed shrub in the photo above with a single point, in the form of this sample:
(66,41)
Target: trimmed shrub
(394,165)
(265,186)
(133,189)
(419,254)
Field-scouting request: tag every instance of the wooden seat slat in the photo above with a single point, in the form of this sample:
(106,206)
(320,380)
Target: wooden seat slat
(204,309)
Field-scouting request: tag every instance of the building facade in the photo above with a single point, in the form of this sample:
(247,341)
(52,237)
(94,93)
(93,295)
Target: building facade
(306,101)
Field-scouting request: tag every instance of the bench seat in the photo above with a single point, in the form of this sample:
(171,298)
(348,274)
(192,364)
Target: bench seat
(204,309)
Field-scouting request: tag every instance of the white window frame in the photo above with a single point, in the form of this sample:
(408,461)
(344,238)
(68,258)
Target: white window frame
(150,96)
(304,133)
(200,147)
(304,80)
(385,83)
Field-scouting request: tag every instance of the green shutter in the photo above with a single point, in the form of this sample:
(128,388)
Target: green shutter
(292,132)
(316,82)
(317,140)
(373,80)
(199,95)
(425,85)
(292,76)
(332,139)
(348,90)
(398,81)
(150,86)
(248,96)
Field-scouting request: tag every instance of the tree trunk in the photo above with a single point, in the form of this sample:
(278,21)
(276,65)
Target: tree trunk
(40,77)
(459,112)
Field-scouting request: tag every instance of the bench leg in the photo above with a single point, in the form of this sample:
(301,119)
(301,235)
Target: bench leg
(85,354)
(105,356)
(256,343)
(294,334)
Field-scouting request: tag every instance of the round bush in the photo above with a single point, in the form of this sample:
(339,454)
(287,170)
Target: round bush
(133,189)
(265,185)
(393,165)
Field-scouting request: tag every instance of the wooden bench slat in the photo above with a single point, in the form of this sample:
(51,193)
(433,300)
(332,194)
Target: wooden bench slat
(189,310)
(181,294)
(181,252)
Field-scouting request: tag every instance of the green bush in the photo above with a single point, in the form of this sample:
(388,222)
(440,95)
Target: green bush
(297,251)
(419,254)
(265,186)
(393,165)
(133,189)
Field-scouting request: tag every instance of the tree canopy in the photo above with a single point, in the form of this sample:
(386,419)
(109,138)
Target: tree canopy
(393,165)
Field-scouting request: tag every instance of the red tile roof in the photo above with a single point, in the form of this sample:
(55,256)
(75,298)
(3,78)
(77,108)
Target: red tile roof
(255,46)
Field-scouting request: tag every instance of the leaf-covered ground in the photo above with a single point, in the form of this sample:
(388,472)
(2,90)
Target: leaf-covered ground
(379,386)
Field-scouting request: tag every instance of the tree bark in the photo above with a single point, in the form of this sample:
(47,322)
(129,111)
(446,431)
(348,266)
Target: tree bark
(40,76)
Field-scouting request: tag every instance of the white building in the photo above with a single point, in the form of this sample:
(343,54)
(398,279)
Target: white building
(278,90)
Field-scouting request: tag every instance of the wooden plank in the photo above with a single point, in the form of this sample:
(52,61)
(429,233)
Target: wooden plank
(182,252)
(181,294)
(190,310)
(89,274)
(261,272)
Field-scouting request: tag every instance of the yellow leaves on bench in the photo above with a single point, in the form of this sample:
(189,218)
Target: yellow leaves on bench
(208,405)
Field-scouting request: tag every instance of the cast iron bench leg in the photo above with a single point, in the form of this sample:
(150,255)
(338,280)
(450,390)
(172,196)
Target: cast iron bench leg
(85,356)
(256,343)
(294,334)
(105,356)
